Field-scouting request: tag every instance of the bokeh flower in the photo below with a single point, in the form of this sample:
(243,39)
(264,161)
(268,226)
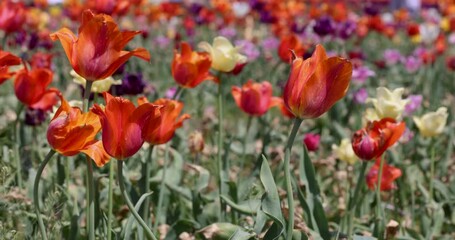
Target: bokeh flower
(432,124)
(389,104)
(312,141)
(255,99)
(99,86)
(224,55)
(389,175)
(344,151)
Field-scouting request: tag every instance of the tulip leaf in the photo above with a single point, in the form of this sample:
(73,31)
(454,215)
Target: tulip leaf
(249,207)
(270,203)
(241,234)
(130,221)
(183,225)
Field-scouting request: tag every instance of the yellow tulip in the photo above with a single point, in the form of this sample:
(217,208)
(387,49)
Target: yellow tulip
(389,103)
(224,55)
(432,123)
(344,151)
(97,86)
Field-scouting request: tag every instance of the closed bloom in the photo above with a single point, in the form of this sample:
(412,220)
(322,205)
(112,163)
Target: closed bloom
(71,132)
(224,55)
(312,141)
(6,60)
(255,98)
(161,129)
(31,89)
(432,123)
(190,68)
(96,53)
(372,141)
(122,125)
(12,16)
(389,104)
(389,175)
(344,151)
(316,84)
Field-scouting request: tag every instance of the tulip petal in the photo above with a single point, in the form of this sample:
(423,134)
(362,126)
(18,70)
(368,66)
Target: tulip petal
(97,153)
(67,39)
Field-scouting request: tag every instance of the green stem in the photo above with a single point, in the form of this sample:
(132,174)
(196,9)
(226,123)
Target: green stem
(146,186)
(354,199)
(17,154)
(177,93)
(287,174)
(432,172)
(138,218)
(220,147)
(162,189)
(248,125)
(110,200)
(88,88)
(379,216)
(35,193)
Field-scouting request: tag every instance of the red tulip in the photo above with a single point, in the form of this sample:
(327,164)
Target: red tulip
(12,16)
(97,52)
(255,98)
(316,84)
(372,141)
(122,125)
(389,175)
(6,60)
(288,43)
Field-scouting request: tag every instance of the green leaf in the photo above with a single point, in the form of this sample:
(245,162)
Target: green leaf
(249,207)
(358,237)
(130,221)
(270,203)
(241,234)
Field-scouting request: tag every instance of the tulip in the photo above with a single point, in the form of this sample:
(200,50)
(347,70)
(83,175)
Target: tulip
(372,141)
(41,60)
(432,123)
(287,43)
(6,60)
(344,151)
(190,68)
(12,16)
(312,141)
(224,55)
(31,88)
(160,130)
(315,84)
(122,125)
(389,175)
(97,52)
(71,132)
(389,104)
(255,98)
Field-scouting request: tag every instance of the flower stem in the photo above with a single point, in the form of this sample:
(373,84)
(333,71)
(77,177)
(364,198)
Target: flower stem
(287,174)
(220,147)
(17,154)
(138,218)
(353,201)
(162,189)
(110,200)
(379,216)
(88,88)
(145,188)
(35,193)
(248,125)
(432,172)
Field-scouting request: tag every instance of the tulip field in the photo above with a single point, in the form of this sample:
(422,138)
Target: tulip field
(227,120)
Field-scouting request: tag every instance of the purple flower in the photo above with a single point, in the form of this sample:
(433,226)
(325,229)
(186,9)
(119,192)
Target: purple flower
(228,32)
(34,117)
(414,103)
(392,56)
(346,29)
(407,136)
(360,97)
(132,84)
(412,64)
(249,49)
(324,26)
(162,41)
(270,43)
(361,74)
(170,92)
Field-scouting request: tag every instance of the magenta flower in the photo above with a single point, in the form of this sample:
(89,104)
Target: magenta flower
(392,56)
(360,97)
(412,64)
(414,103)
(312,141)
(361,74)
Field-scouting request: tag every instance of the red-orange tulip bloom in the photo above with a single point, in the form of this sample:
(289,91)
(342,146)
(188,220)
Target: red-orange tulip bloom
(190,68)
(71,132)
(161,130)
(371,142)
(315,84)
(12,16)
(389,175)
(6,60)
(122,125)
(287,43)
(31,88)
(97,52)
(255,98)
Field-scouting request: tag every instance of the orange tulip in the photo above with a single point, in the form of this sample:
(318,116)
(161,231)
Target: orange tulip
(371,142)
(161,130)
(190,68)
(287,43)
(315,84)
(389,175)
(6,60)
(12,16)
(31,88)
(71,132)
(97,52)
(255,98)
(122,125)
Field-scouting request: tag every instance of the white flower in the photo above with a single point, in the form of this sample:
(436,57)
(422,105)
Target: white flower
(224,55)
(388,103)
(345,152)
(432,123)
(97,86)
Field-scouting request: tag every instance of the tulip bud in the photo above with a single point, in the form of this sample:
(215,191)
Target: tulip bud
(312,141)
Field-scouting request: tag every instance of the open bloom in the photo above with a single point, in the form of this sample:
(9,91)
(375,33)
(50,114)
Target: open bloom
(12,16)
(432,123)
(161,129)
(389,104)
(315,84)
(31,88)
(71,132)
(372,141)
(97,52)
(122,125)
(255,98)
(224,55)
(190,68)
(389,175)
(6,60)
